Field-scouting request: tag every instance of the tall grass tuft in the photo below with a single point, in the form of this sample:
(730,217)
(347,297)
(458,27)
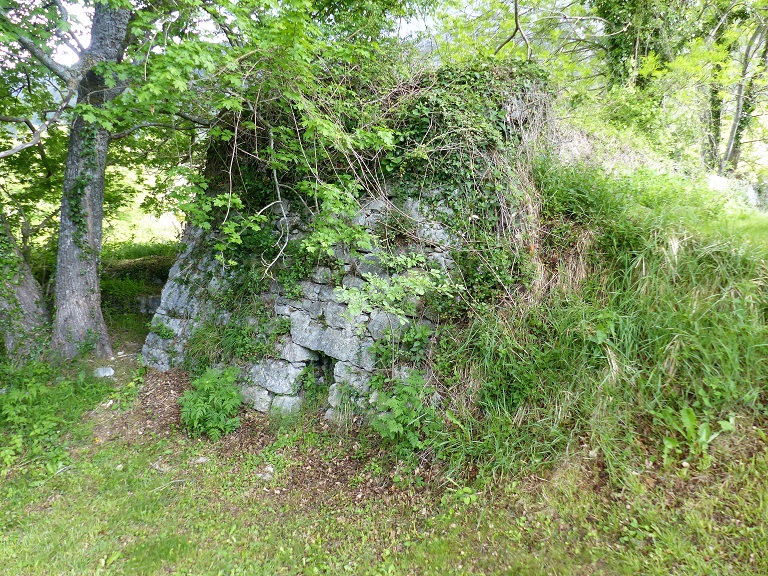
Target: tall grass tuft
(658,349)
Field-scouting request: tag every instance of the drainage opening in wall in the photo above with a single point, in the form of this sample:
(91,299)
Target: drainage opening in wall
(316,381)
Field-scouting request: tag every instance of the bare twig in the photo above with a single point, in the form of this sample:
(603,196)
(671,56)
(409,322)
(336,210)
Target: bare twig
(282,208)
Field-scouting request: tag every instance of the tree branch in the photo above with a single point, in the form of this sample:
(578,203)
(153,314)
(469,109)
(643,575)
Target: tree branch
(40,131)
(43,57)
(64,14)
(129,131)
(517,29)
(194,119)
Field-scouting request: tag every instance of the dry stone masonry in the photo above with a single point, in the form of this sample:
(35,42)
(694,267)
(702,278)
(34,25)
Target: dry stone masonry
(321,328)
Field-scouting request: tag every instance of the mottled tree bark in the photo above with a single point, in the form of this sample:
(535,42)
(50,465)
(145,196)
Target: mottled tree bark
(23,317)
(78,322)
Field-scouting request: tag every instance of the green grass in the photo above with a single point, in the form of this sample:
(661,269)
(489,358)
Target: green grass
(151,506)
(129,250)
(649,343)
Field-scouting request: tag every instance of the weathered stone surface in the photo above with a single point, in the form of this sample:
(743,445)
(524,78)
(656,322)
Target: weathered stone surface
(104,372)
(284,309)
(352,281)
(257,398)
(433,233)
(322,275)
(286,405)
(317,292)
(335,395)
(148,304)
(336,317)
(277,376)
(320,328)
(296,354)
(344,345)
(356,378)
(370,265)
(381,322)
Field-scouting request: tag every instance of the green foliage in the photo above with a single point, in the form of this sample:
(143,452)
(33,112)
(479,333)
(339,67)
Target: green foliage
(130,250)
(489,274)
(409,345)
(37,406)
(669,324)
(162,330)
(462,117)
(212,343)
(298,265)
(408,417)
(210,407)
(252,332)
(121,294)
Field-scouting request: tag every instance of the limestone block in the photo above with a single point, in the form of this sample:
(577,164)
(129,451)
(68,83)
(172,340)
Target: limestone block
(344,345)
(369,264)
(284,309)
(104,372)
(356,378)
(315,308)
(433,233)
(277,376)
(148,304)
(352,281)
(154,355)
(335,317)
(317,292)
(257,398)
(285,405)
(381,322)
(334,395)
(322,275)
(296,354)
(412,207)
(176,298)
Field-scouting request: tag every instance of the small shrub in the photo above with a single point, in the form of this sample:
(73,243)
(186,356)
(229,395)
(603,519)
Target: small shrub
(411,346)
(410,419)
(210,407)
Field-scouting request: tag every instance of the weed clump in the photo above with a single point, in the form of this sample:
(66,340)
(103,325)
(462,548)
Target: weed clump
(210,407)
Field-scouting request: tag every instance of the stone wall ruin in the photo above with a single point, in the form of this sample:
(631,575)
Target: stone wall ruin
(321,329)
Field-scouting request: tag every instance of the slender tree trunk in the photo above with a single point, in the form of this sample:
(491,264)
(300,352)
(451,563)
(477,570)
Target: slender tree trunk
(79,323)
(23,317)
(744,118)
(713,123)
(745,98)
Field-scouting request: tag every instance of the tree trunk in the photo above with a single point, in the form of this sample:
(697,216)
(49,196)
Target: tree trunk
(713,123)
(746,109)
(79,324)
(746,98)
(23,317)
